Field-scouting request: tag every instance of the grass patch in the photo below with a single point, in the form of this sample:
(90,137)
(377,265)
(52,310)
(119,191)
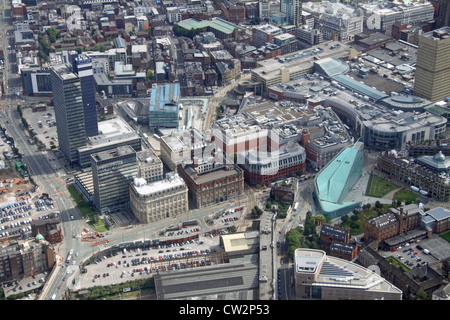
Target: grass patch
(85,208)
(378,187)
(357,226)
(397,264)
(405,195)
(446,236)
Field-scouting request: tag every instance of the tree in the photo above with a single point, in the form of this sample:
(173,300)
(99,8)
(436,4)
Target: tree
(255,20)
(149,75)
(378,205)
(256,212)
(53,34)
(321,217)
(344,218)
(99,47)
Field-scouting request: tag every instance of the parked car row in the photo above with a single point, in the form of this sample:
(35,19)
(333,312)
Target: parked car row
(181,232)
(43,205)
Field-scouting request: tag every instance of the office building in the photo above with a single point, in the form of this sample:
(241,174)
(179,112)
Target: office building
(150,167)
(432,80)
(424,175)
(335,20)
(36,81)
(163,110)
(69,111)
(81,65)
(333,183)
(158,200)
(263,168)
(322,277)
(442,12)
(383,18)
(112,133)
(293,9)
(437,220)
(181,147)
(212,182)
(264,33)
(113,171)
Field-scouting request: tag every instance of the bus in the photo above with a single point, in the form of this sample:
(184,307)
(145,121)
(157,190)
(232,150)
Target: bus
(69,256)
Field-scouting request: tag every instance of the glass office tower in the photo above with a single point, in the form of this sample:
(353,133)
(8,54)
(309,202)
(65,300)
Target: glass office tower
(81,65)
(69,112)
(113,171)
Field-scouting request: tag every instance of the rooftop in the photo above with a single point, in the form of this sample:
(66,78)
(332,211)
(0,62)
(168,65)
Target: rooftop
(332,180)
(172,180)
(300,60)
(335,272)
(164,97)
(110,132)
(215,23)
(113,153)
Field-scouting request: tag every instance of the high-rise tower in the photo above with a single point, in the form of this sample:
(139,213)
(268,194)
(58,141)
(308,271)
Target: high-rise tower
(293,9)
(112,171)
(81,65)
(69,113)
(433,65)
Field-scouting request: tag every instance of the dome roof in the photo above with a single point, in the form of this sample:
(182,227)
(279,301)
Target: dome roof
(39,236)
(439,157)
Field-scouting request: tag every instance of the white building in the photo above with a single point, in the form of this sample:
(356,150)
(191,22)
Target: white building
(322,277)
(336,21)
(159,200)
(377,18)
(150,167)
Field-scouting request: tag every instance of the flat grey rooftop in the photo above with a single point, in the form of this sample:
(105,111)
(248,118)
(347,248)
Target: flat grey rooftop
(210,282)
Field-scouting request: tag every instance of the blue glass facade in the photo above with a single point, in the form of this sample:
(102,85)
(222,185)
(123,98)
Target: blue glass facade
(82,66)
(333,183)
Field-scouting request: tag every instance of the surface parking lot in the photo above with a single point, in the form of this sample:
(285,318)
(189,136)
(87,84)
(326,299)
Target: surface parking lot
(44,125)
(413,255)
(16,217)
(140,263)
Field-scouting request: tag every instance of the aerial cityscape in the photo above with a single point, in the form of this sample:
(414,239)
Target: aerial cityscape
(233,150)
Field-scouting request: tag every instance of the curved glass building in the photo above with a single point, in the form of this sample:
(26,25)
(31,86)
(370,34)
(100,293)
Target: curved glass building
(333,183)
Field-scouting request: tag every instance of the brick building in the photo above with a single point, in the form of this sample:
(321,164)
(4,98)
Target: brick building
(330,234)
(211,183)
(50,229)
(343,250)
(397,221)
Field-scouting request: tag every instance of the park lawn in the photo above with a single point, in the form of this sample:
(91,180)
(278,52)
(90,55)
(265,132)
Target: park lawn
(405,195)
(378,187)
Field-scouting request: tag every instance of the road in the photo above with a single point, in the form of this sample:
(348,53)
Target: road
(282,267)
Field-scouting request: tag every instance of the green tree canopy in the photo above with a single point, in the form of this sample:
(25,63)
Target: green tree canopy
(52,34)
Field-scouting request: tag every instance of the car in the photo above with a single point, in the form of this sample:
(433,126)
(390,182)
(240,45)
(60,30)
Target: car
(59,287)
(64,279)
(71,217)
